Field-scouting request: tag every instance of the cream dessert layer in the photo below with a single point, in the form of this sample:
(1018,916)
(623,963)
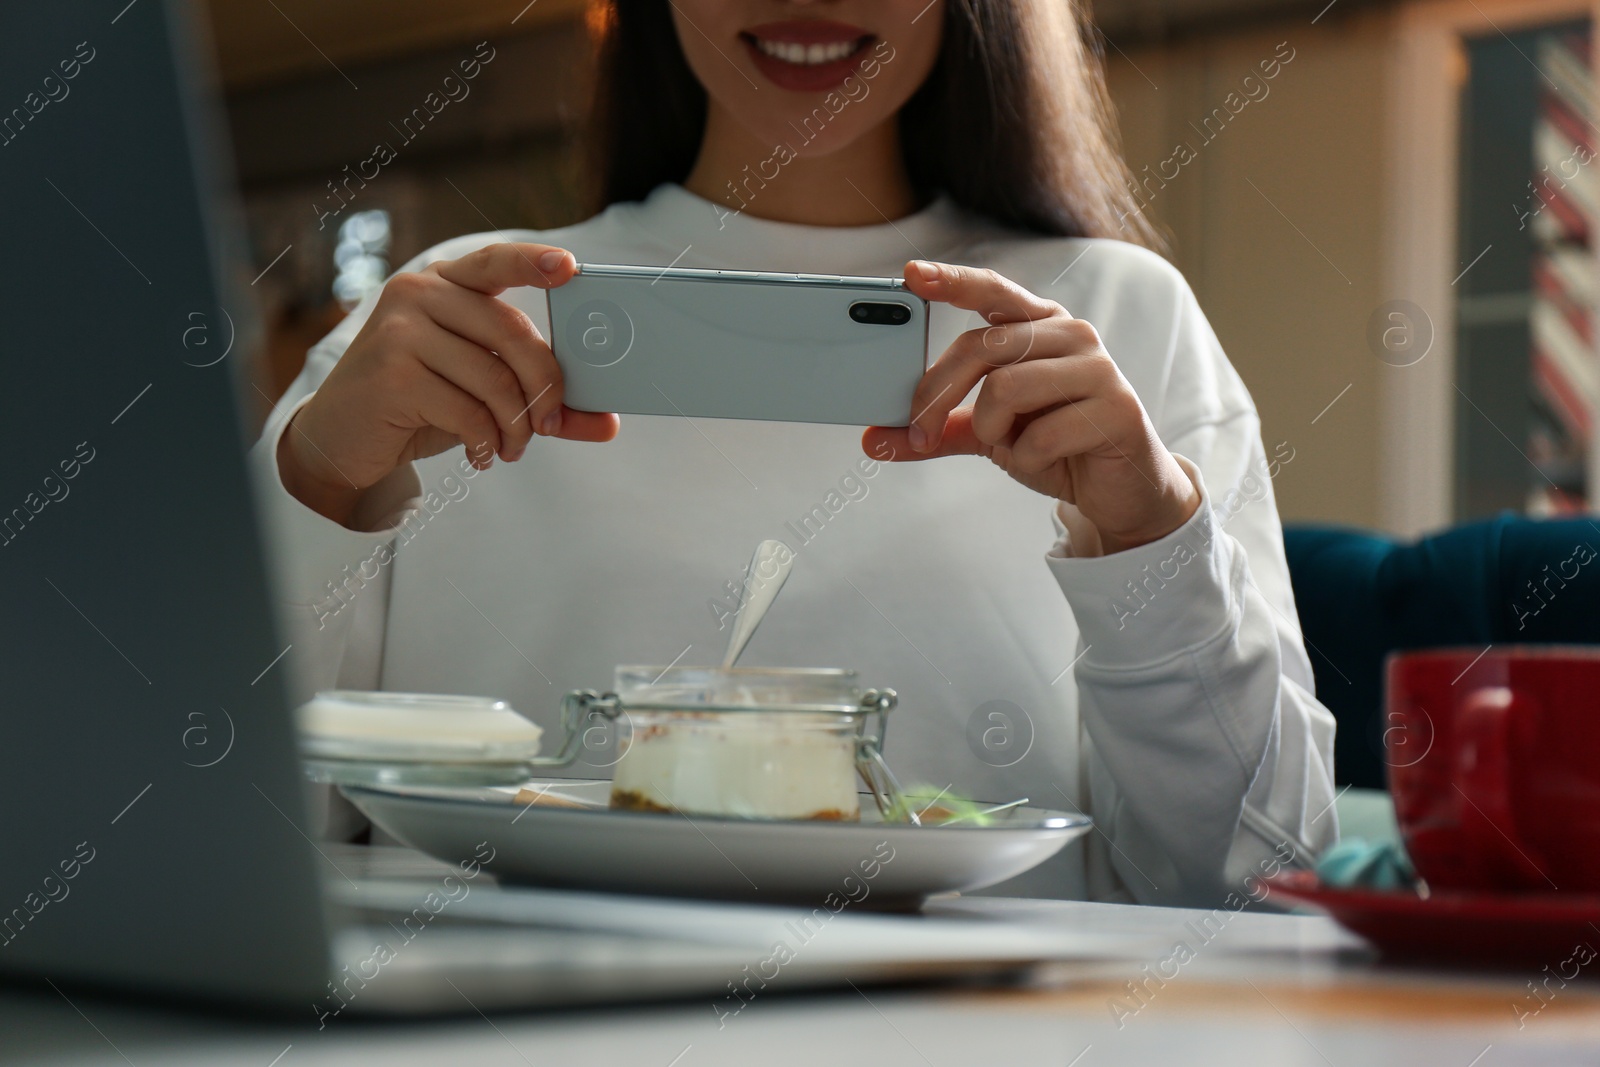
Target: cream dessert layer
(772,769)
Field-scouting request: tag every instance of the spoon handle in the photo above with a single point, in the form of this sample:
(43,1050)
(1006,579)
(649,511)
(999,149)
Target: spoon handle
(769,569)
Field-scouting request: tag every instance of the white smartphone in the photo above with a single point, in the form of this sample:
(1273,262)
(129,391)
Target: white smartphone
(733,344)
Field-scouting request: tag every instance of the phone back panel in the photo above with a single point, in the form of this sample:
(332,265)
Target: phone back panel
(737,345)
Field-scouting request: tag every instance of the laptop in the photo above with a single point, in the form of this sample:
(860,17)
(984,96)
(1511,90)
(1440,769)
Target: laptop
(154,827)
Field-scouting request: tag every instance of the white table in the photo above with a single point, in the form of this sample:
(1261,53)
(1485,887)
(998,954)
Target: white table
(1284,990)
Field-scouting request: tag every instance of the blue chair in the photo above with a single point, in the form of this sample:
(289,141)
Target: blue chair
(1507,580)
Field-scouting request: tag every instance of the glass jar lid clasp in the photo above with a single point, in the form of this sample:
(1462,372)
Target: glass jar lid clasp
(577,707)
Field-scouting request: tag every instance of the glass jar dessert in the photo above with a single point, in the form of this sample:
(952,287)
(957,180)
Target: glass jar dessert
(745,742)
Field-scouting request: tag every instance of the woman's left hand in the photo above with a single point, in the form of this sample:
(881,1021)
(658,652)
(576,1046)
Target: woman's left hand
(1054,412)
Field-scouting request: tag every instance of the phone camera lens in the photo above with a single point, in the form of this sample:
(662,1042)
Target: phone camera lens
(884,314)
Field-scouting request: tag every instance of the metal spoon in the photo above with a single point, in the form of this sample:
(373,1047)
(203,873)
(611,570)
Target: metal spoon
(769,569)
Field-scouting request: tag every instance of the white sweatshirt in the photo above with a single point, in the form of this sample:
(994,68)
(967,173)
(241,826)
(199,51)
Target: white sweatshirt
(1164,689)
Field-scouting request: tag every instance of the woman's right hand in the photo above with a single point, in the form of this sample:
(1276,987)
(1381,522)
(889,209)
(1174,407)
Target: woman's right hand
(440,362)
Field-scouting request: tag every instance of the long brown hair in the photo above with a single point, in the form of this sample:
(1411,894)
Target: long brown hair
(1013,122)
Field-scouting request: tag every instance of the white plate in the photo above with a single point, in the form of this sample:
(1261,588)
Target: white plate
(592,847)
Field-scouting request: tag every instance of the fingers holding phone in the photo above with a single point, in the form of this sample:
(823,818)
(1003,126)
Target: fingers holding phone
(1053,410)
(441,361)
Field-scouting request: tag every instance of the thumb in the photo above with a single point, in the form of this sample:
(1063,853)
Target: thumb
(893,443)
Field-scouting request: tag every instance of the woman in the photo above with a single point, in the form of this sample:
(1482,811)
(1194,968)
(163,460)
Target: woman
(1144,666)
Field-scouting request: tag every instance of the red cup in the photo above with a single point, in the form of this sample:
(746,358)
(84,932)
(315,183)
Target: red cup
(1494,765)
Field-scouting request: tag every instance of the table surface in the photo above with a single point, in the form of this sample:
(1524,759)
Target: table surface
(1281,989)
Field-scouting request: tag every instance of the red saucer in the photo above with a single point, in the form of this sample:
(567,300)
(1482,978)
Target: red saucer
(1455,926)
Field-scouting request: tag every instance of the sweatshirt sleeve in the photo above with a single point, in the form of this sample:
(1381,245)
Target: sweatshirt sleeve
(330,581)
(326,576)
(1209,758)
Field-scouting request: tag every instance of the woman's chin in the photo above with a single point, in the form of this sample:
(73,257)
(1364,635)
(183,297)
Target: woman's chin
(792,140)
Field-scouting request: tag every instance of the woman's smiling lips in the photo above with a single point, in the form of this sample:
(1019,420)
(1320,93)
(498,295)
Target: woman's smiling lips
(806,56)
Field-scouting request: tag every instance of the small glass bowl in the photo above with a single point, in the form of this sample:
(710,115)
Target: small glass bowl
(349,737)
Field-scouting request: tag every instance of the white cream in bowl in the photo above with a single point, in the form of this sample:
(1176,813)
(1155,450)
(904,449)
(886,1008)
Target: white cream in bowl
(352,724)
(742,742)
(775,768)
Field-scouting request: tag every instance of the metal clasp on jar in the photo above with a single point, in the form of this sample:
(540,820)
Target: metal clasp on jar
(875,706)
(576,708)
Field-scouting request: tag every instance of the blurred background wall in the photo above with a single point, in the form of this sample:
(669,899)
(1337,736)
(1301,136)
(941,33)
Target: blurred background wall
(1383,207)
